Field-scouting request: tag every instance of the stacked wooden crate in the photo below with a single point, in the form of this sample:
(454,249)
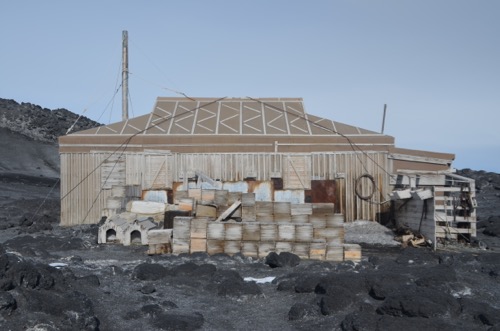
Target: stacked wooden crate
(257,228)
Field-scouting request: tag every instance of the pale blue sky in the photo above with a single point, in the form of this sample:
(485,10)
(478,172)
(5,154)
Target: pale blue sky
(436,64)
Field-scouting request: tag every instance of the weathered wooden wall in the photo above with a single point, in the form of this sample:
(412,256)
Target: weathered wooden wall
(418,215)
(87,178)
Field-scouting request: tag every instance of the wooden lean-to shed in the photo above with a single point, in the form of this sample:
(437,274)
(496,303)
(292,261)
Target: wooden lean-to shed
(272,144)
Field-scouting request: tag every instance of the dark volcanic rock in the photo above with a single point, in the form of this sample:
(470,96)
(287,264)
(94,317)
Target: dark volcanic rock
(338,299)
(149,271)
(91,280)
(237,288)
(307,283)
(147,289)
(480,311)
(7,303)
(301,310)
(383,284)
(493,228)
(421,302)
(40,123)
(284,259)
(175,321)
(71,309)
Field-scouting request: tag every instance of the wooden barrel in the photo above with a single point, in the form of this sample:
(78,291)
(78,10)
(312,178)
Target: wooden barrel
(334,220)
(303,233)
(234,231)
(232,247)
(251,231)
(250,248)
(335,253)
(268,232)
(215,246)
(317,250)
(266,247)
(301,250)
(216,231)
(199,228)
(352,252)
(182,227)
(284,246)
(286,232)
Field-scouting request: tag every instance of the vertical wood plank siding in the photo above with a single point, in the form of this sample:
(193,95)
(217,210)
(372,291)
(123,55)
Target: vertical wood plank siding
(87,178)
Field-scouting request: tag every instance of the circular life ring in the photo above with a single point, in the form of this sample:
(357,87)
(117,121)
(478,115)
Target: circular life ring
(359,187)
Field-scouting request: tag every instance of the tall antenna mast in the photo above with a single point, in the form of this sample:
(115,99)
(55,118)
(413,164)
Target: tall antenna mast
(383,119)
(124,75)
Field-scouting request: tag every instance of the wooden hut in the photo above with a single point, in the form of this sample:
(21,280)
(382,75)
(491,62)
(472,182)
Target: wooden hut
(270,146)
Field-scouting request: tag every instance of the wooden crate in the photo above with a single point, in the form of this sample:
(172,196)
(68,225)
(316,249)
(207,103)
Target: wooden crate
(250,248)
(352,252)
(286,232)
(180,246)
(266,247)
(199,228)
(215,246)
(182,227)
(206,211)
(317,250)
(232,247)
(198,245)
(233,231)
(216,231)
(251,231)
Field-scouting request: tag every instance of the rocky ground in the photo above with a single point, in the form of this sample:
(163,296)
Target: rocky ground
(54,278)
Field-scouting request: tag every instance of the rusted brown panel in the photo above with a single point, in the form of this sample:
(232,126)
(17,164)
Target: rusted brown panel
(323,191)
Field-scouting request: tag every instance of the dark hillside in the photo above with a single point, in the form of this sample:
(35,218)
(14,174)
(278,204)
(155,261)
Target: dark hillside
(39,123)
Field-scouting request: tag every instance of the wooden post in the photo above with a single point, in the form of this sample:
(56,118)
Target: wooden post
(383,118)
(124,75)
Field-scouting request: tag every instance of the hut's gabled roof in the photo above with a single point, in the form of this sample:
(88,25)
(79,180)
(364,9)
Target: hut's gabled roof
(228,116)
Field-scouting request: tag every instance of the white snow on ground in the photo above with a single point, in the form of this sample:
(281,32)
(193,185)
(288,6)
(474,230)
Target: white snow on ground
(368,232)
